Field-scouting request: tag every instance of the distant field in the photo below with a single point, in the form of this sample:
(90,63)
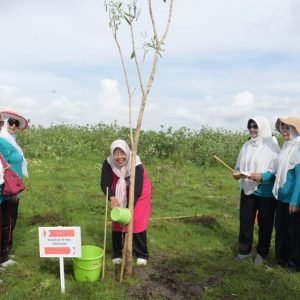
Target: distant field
(193,231)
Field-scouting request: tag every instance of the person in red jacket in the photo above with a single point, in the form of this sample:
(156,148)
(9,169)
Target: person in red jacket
(116,176)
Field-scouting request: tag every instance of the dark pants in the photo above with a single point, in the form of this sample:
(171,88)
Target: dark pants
(249,206)
(8,219)
(140,249)
(287,238)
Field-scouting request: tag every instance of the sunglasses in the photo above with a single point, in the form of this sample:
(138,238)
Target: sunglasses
(12,122)
(252,126)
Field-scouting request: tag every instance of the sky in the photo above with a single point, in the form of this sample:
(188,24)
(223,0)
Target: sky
(223,63)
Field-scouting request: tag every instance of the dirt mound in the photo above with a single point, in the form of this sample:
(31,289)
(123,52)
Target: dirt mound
(207,221)
(49,218)
(162,282)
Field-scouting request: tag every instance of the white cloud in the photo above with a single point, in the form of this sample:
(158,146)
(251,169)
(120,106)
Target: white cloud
(224,62)
(242,101)
(6,92)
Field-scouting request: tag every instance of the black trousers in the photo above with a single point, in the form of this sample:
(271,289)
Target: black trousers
(8,219)
(287,238)
(139,240)
(249,206)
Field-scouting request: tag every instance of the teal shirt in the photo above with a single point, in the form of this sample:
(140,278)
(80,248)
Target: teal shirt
(290,191)
(265,188)
(12,156)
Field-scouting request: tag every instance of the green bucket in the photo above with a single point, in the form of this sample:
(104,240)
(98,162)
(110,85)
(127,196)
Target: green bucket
(88,266)
(121,215)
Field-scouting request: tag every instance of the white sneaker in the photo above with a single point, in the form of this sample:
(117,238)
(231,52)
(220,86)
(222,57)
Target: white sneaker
(8,263)
(258,260)
(240,256)
(141,262)
(117,261)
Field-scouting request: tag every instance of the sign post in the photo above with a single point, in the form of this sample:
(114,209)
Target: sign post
(60,242)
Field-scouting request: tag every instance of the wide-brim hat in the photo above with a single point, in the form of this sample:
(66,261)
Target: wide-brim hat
(10,114)
(291,121)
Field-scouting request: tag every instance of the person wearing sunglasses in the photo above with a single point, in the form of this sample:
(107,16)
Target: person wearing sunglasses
(13,125)
(255,169)
(14,156)
(287,192)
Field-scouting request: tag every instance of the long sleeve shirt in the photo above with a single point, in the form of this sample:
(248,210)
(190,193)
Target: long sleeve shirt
(264,189)
(290,191)
(12,156)
(107,180)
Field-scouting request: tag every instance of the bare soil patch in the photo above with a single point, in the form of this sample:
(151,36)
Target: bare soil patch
(207,221)
(49,218)
(160,281)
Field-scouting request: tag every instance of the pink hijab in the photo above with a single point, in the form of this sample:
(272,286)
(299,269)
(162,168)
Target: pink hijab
(123,172)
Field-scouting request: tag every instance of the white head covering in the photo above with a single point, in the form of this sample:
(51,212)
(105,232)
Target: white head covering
(288,158)
(12,140)
(258,155)
(1,173)
(123,172)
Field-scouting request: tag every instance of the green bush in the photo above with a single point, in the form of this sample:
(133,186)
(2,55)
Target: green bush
(179,146)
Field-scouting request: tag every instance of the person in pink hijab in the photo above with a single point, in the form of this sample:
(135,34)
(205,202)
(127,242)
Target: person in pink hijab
(116,176)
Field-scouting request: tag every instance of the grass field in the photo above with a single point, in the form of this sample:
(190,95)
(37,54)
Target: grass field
(191,258)
(187,252)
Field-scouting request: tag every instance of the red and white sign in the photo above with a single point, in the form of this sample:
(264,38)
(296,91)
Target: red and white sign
(60,241)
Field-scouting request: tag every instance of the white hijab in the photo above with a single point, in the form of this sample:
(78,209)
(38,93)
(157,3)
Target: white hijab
(122,173)
(287,160)
(12,140)
(1,173)
(258,155)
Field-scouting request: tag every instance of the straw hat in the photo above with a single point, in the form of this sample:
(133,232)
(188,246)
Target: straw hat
(10,114)
(292,121)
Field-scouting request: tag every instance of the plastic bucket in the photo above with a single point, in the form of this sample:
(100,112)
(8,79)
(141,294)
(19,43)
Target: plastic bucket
(88,266)
(121,215)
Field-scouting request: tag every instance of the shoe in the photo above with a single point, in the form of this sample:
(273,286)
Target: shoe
(141,262)
(240,256)
(8,263)
(293,267)
(282,263)
(117,261)
(258,260)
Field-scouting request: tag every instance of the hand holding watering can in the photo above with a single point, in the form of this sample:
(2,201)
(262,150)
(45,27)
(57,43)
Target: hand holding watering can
(114,202)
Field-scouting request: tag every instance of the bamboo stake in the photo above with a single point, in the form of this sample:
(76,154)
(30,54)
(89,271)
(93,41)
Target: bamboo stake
(223,163)
(172,218)
(105,229)
(124,256)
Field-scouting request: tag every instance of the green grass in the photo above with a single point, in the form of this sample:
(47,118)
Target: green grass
(66,192)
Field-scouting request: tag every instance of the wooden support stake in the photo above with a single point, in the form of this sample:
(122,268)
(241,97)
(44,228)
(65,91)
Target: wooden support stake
(105,230)
(124,257)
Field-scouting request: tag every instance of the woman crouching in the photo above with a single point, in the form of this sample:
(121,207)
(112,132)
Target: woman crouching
(116,176)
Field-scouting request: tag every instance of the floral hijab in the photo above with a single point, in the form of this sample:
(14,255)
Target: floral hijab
(123,172)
